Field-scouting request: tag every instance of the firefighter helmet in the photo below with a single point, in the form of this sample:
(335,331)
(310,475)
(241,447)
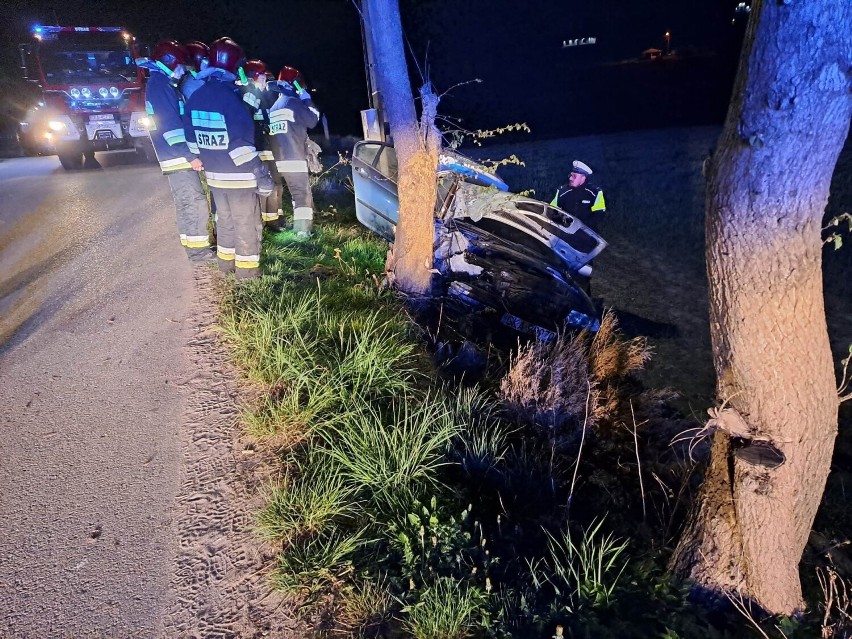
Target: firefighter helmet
(226,54)
(255,69)
(198,52)
(290,75)
(170,53)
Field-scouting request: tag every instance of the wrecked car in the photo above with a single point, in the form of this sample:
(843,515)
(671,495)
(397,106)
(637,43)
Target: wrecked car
(527,260)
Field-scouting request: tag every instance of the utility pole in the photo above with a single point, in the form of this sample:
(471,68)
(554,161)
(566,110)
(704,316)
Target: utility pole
(372,119)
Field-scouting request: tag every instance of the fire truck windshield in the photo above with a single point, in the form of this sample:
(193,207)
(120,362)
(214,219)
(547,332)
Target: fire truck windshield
(81,66)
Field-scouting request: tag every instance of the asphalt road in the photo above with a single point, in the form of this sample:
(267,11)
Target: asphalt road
(94,294)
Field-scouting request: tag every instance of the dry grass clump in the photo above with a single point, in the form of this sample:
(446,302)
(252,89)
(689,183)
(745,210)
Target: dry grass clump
(574,379)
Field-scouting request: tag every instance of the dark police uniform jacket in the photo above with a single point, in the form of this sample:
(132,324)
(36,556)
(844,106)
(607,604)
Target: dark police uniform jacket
(586,203)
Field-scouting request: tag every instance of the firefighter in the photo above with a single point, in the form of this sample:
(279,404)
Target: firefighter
(198,53)
(165,106)
(290,117)
(255,96)
(580,198)
(222,132)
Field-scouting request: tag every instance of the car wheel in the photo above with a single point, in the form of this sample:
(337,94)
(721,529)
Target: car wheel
(71,161)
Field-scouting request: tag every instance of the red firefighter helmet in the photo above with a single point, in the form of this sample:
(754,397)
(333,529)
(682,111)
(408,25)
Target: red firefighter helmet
(254,69)
(289,74)
(170,53)
(226,54)
(197,51)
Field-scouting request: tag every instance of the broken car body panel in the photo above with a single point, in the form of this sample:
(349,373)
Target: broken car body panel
(493,249)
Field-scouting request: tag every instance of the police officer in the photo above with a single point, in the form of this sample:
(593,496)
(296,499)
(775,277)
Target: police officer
(222,132)
(165,106)
(290,117)
(255,96)
(580,198)
(198,53)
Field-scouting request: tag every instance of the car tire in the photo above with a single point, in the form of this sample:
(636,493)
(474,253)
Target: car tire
(71,161)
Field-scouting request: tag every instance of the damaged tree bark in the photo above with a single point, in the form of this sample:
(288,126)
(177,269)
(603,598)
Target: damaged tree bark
(767,192)
(417,146)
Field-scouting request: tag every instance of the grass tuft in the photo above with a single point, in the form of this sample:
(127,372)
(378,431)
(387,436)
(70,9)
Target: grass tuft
(311,564)
(306,505)
(445,609)
(393,456)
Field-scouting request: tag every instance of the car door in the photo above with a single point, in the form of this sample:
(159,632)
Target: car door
(374,175)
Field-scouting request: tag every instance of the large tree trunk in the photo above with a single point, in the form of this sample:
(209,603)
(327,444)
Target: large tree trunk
(416,147)
(767,192)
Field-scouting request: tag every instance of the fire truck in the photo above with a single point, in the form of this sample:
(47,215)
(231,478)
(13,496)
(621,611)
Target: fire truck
(91,93)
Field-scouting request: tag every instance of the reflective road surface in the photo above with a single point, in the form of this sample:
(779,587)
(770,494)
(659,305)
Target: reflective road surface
(94,294)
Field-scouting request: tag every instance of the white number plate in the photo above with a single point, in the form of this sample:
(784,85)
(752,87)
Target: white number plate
(103,117)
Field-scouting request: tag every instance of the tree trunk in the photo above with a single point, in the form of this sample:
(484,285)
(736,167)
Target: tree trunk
(416,147)
(767,192)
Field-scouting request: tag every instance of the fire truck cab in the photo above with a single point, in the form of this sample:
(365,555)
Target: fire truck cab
(92,91)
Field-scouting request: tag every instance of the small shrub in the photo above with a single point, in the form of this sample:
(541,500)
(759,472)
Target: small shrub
(445,609)
(575,379)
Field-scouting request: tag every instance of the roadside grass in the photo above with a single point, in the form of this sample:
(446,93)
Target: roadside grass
(407,506)
(429,501)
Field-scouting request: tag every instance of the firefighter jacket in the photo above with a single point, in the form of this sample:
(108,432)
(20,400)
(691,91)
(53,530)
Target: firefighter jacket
(221,131)
(585,202)
(253,99)
(190,84)
(165,106)
(289,121)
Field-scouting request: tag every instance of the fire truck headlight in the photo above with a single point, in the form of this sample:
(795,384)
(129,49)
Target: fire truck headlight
(144,122)
(113,91)
(57,125)
(87,93)
(103,91)
(75,93)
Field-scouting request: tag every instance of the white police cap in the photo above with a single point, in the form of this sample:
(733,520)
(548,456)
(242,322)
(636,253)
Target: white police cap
(580,167)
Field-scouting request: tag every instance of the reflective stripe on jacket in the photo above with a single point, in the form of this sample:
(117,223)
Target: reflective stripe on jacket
(164,105)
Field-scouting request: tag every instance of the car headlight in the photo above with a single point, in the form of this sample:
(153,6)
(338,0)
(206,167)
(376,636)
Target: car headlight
(57,125)
(86,91)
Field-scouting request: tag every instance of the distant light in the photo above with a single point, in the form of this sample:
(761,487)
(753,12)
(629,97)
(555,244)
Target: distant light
(103,91)
(125,35)
(87,93)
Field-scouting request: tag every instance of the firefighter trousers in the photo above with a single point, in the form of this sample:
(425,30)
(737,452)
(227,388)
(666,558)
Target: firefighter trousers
(270,205)
(192,213)
(298,183)
(238,231)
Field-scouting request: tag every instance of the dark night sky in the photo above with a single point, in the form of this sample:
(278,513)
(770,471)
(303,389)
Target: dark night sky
(514,46)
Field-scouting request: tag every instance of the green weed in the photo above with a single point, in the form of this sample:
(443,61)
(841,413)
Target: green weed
(305,505)
(394,456)
(311,564)
(579,572)
(445,609)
